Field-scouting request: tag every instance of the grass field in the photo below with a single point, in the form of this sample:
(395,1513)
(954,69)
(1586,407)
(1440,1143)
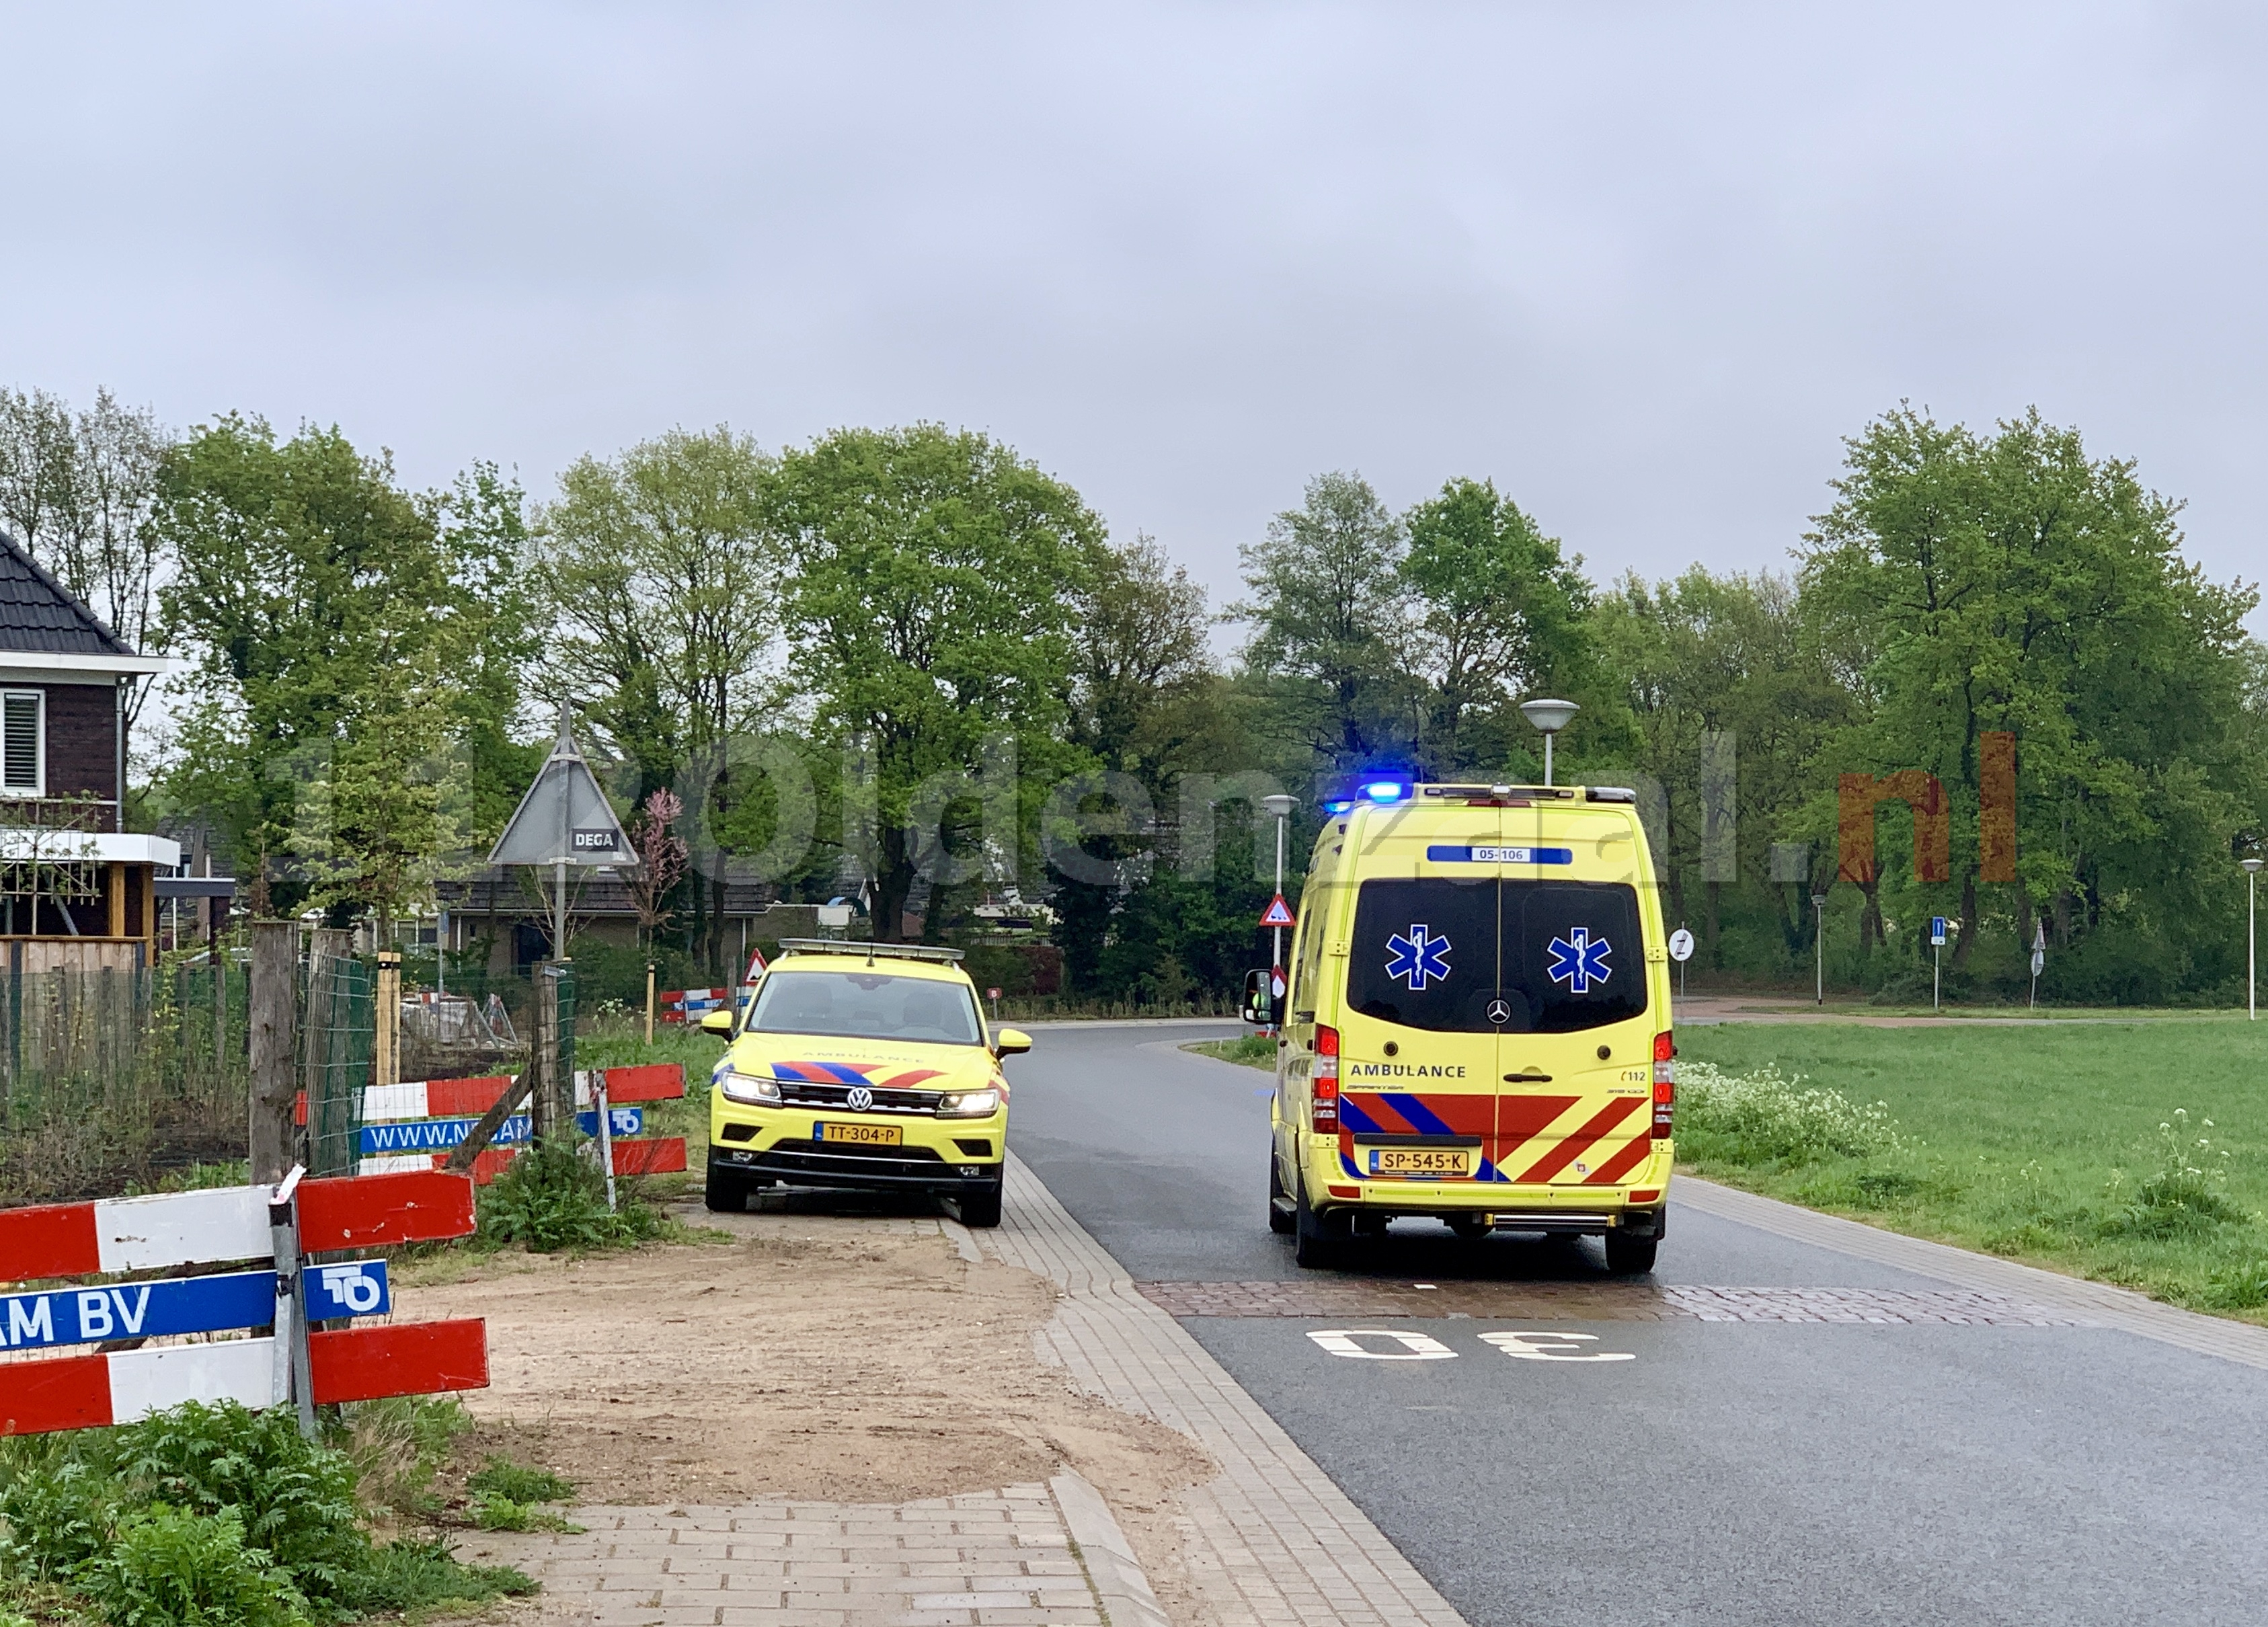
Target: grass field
(2133,1151)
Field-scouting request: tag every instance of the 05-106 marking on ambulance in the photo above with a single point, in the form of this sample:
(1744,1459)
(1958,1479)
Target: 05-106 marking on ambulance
(1402,1344)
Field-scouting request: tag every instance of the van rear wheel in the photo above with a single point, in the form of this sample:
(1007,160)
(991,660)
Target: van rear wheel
(1629,1256)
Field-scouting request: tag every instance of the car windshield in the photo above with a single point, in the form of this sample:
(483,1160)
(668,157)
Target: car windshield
(866,1006)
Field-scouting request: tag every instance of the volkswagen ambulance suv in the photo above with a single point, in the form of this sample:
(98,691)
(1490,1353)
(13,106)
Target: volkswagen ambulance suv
(866,1066)
(1478,1026)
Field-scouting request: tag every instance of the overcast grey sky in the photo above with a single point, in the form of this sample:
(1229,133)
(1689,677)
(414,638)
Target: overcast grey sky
(1644,265)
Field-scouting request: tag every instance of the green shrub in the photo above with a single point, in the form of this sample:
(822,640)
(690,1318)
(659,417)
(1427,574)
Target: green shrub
(552,1198)
(2187,1195)
(1762,1118)
(295,1497)
(170,1567)
(58,1515)
(503,1477)
(2240,1288)
(397,1446)
(409,1575)
(220,1517)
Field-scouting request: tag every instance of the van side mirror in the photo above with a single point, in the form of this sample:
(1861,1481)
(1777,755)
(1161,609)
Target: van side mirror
(718,1022)
(1011,1042)
(1257,1003)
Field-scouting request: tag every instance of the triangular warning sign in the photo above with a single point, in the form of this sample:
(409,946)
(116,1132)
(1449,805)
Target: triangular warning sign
(564,819)
(1277,914)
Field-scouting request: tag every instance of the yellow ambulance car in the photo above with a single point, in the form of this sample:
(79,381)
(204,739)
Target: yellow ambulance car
(1478,1027)
(865,1066)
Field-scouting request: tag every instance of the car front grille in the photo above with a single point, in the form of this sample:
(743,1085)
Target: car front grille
(808,1093)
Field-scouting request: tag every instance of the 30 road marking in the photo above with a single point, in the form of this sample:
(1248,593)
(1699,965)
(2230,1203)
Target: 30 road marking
(1553,1347)
(1537,1346)
(1415,1346)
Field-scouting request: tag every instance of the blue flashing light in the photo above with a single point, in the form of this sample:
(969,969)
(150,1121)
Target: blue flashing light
(1386,790)
(1337,805)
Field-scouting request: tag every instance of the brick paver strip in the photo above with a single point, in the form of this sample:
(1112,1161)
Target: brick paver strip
(981,1560)
(1602,1302)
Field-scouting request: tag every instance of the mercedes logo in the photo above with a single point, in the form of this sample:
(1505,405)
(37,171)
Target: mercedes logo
(860,1099)
(1499,1012)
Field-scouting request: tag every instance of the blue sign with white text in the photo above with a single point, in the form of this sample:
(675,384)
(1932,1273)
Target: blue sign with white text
(187,1305)
(441,1134)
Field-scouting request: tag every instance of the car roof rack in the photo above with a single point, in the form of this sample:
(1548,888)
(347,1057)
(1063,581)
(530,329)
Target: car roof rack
(869,951)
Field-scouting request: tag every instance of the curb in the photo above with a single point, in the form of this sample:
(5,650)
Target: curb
(1113,1573)
(1125,1022)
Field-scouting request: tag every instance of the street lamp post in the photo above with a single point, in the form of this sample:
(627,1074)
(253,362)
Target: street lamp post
(1281,807)
(1819,941)
(2252,940)
(1551,717)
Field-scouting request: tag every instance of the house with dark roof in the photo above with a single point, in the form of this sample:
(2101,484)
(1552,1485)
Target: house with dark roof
(76,890)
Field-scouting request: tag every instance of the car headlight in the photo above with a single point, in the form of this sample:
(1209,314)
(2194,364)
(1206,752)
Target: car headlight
(747,1088)
(970,1104)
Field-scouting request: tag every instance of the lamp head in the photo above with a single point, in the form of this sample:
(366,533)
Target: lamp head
(1549,715)
(2252,866)
(1280,805)
(1819,901)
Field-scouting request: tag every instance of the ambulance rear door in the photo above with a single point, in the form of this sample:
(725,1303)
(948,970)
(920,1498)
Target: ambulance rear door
(1418,1064)
(1576,1081)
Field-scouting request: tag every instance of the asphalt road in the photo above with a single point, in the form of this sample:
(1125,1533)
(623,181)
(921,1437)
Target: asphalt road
(1737,1473)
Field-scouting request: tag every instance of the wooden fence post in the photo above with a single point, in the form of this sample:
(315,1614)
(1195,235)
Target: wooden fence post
(543,1058)
(275,1074)
(386,1062)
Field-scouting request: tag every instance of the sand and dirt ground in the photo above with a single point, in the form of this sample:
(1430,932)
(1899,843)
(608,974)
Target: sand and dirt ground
(815,1353)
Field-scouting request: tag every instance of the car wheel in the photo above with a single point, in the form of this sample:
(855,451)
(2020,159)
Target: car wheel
(1279,1201)
(1319,1241)
(725,1194)
(1628,1256)
(979,1209)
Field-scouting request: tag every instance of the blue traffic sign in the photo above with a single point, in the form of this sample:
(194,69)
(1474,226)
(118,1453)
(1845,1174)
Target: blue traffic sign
(1936,929)
(441,1134)
(186,1305)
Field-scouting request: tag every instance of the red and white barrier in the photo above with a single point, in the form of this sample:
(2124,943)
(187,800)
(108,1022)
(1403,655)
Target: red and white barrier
(690,1005)
(285,1224)
(661,1081)
(354,1363)
(228,1223)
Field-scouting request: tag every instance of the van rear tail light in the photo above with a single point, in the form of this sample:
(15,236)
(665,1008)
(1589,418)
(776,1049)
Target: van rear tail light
(1665,1085)
(1326,1099)
(1327,1053)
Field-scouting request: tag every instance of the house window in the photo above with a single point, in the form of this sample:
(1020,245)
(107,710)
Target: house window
(23,742)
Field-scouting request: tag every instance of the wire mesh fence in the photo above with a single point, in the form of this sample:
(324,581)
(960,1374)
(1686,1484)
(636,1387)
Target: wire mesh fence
(111,1079)
(114,1081)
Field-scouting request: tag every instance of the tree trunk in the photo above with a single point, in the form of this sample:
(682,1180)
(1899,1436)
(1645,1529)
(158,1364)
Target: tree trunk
(1968,921)
(1714,890)
(893,884)
(273,1046)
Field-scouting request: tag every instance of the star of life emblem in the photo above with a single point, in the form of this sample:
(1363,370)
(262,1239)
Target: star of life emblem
(860,1099)
(1579,961)
(1417,959)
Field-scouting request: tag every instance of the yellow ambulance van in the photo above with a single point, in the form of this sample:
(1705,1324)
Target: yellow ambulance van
(1478,1027)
